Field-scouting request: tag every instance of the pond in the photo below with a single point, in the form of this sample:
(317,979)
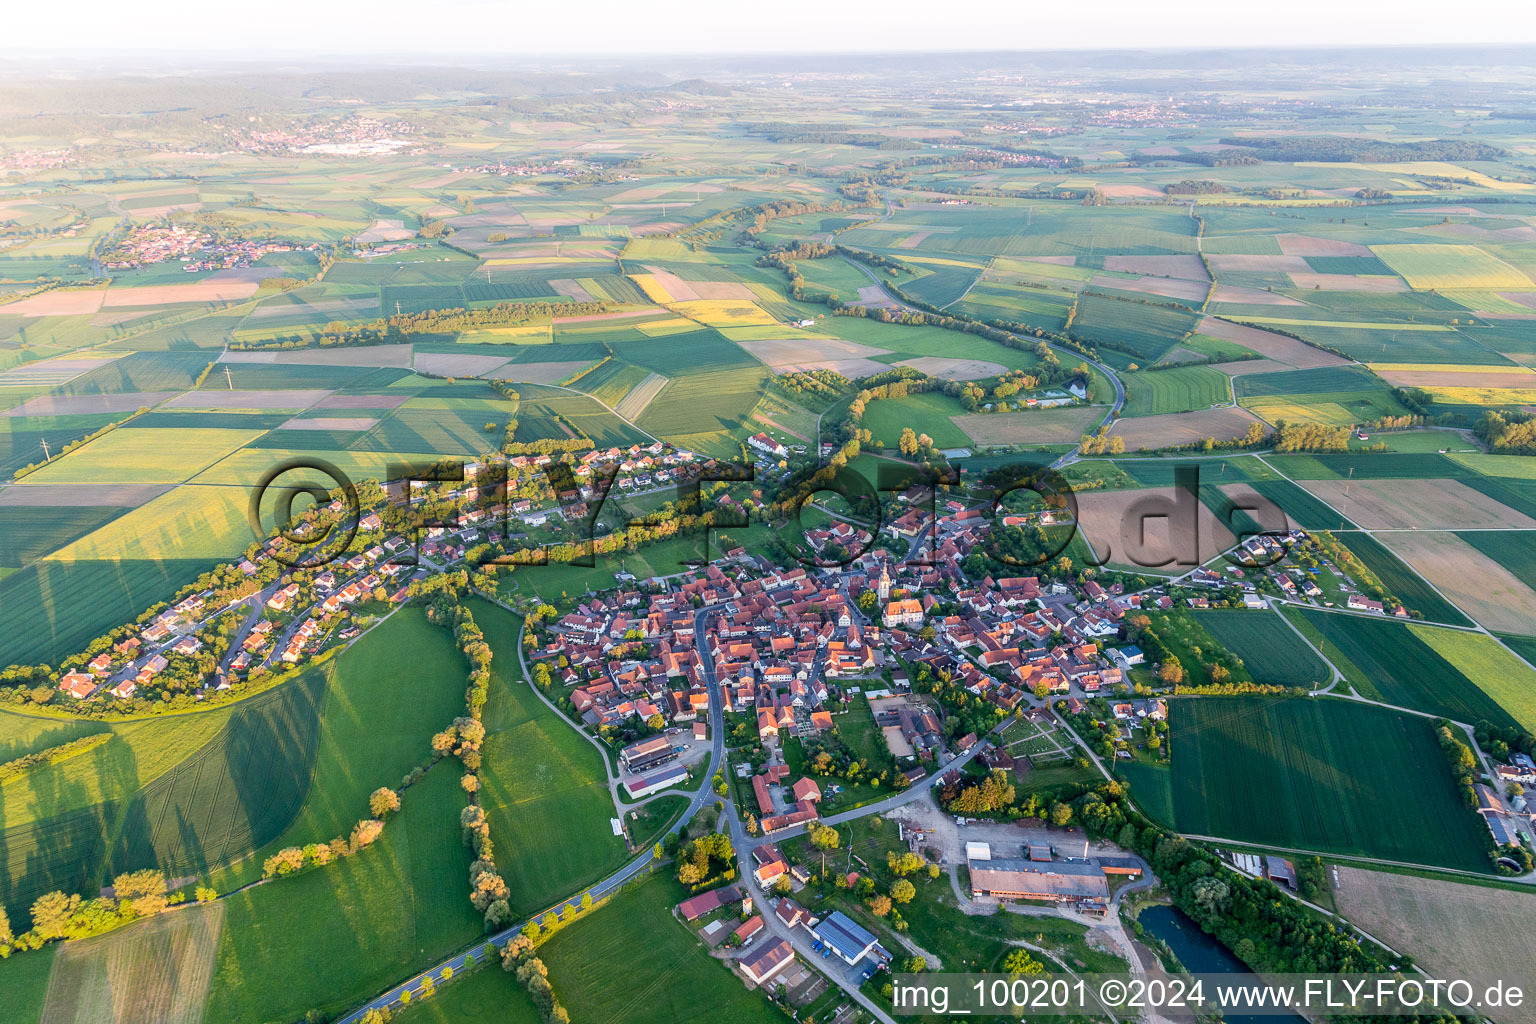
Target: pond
(1201,954)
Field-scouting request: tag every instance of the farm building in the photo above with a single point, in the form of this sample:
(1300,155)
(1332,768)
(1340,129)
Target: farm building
(646,753)
(645,785)
(696,907)
(767,962)
(1023,879)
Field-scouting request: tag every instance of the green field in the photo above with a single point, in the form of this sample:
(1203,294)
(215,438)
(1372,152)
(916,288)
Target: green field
(375,724)
(1496,672)
(1179,389)
(1318,380)
(489,995)
(1369,466)
(1450,266)
(633,963)
(130,455)
(24,979)
(1410,588)
(51,609)
(1271,651)
(330,937)
(1332,408)
(1151,787)
(928,413)
(1319,774)
(542,785)
(1130,332)
(1188,639)
(1401,668)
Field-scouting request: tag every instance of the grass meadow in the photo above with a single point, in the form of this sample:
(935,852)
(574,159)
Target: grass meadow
(632,962)
(543,785)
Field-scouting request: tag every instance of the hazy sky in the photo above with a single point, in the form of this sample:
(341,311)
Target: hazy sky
(441,27)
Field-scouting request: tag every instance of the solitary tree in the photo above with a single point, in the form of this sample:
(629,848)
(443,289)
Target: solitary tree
(383,802)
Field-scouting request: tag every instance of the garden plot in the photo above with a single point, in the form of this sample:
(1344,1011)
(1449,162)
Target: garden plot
(1417,505)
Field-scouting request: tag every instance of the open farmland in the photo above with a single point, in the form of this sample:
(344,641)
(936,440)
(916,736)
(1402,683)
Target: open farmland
(1407,504)
(1175,429)
(1514,551)
(1455,928)
(931,413)
(486,995)
(1180,389)
(592,968)
(1271,651)
(159,970)
(153,797)
(1487,663)
(1398,667)
(52,608)
(1134,332)
(1418,596)
(545,789)
(1037,426)
(143,456)
(1276,347)
(1112,522)
(1299,506)
(403,899)
(1450,266)
(1483,587)
(1319,764)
